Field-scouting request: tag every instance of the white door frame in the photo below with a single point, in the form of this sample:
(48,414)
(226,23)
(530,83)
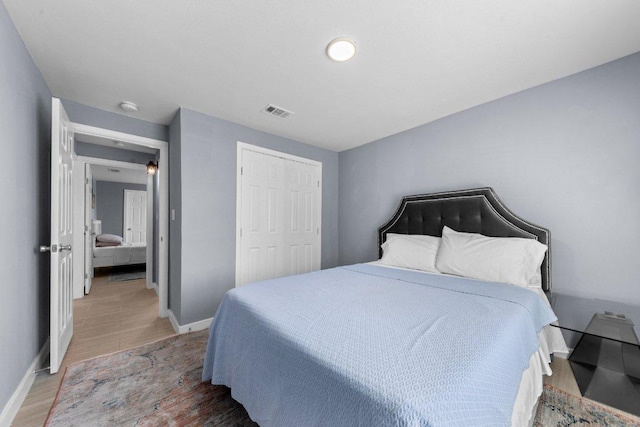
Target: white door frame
(245,146)
(163,223)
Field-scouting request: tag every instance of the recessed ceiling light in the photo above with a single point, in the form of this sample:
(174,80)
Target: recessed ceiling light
(119,143)
(341,49)
(128,106)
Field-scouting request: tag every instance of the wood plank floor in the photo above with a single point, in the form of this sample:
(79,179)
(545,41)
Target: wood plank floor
(114,316)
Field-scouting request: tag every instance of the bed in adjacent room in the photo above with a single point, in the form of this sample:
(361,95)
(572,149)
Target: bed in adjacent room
(449,327)
(110,251)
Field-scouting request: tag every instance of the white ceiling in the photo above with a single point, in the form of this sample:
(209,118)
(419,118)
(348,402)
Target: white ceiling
(417,60)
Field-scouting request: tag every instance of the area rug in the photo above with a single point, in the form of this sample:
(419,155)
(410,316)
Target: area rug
(128,273)
(159,384)
(559,408)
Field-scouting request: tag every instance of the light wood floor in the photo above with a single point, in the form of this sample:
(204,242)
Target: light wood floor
(114,316)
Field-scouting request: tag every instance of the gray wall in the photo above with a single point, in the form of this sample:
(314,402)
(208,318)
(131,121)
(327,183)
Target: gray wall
(208,210)
(92,116)
(565,155)
(175,225)
(112,153)
(110,204)
(25,121)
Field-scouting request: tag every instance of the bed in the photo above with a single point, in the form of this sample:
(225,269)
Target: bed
(382,344)
(122,254)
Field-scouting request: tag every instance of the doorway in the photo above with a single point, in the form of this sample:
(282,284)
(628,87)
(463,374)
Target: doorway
(105,182)
(157,227)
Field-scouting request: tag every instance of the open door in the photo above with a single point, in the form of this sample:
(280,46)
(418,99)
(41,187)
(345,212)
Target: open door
(61,235)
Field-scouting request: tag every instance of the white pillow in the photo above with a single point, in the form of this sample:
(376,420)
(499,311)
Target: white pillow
(109,238)
(413,251)
(512,260)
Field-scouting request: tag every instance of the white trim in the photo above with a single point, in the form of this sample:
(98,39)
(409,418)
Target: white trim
(190,327)
(16,400)
(163,176)
(257,149)
(150,236)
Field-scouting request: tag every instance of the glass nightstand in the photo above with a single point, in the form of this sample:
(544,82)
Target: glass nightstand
(606,349)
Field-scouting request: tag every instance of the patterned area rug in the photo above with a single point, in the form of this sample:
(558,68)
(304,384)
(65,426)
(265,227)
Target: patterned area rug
(559,408)
(159,384)
(123,274)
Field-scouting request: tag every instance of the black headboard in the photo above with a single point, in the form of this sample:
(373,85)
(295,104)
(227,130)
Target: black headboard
(473,211)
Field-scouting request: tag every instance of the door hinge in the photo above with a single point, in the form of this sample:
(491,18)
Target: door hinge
(86,180)
(318,230)
(241,170)
(86,276)
(318,184)
(241,232)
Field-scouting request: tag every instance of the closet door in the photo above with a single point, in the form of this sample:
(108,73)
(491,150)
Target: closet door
(279,216)
(302,218)
(262,237)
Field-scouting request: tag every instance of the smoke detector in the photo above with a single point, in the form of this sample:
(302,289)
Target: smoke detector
(277,111)
(128,106)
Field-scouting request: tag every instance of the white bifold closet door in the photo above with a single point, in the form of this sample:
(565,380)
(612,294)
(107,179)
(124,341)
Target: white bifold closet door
(279,218)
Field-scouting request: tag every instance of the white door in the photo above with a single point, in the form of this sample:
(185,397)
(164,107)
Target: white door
(135,216)
(279,216)
(61,235)
(262,213)
(89,234)
(302,218)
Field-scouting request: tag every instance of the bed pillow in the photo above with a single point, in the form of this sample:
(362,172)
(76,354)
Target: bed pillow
(413,251)
(109,238)
(512,260)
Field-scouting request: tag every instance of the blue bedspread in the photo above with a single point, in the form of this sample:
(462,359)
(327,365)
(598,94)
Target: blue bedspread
(365,345)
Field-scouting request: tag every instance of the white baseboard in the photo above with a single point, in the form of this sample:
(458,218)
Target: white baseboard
(15,402)
(190,327)
(153,286)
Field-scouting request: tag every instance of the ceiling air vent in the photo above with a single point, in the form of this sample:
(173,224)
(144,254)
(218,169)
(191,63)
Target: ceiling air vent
(277,111)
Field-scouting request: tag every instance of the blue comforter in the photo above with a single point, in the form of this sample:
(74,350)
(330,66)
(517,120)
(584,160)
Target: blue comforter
(365,345)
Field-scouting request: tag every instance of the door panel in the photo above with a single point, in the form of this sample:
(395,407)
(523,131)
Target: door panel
(303,195)
(61,235)
(279,217)
(261,218)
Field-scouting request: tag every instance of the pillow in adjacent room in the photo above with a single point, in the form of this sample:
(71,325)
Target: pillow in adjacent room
(512,260)
(109,238)
(414,251)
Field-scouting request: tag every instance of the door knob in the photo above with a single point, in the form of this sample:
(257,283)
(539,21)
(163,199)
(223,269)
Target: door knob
(45,248)
(64,248)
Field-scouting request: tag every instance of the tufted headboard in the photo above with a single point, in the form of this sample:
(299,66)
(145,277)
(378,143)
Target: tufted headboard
(473,211)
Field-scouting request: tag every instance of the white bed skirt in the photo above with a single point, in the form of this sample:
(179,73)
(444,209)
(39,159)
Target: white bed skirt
(126,254)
